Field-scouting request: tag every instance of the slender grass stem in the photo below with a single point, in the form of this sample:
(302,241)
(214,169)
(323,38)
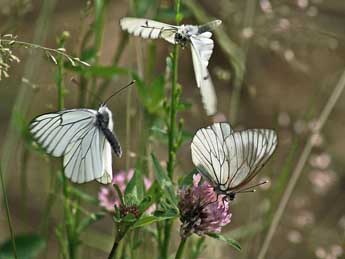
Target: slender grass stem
(300,165)
(235,99)
(128,128)
(8,214)
(180,249)
(59,52)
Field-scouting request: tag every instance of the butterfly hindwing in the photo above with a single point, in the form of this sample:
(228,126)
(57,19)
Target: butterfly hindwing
(202,47)
(248,151)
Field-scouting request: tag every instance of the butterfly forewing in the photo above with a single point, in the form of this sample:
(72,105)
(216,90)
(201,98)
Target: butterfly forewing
(210,26)
(208,153)
(148,28)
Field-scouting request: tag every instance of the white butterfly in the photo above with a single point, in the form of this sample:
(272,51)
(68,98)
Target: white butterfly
(230,159)
(199,37)
(84,137)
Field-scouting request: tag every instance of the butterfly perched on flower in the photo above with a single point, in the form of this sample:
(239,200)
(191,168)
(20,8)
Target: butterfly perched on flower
(197,36)
(230,159)
(84,137)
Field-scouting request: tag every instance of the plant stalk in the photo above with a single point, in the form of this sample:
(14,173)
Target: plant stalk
(172,129)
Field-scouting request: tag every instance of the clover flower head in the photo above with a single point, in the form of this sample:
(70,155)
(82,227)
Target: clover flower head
(202,210)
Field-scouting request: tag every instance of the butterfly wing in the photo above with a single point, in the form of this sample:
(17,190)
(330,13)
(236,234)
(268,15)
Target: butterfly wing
(208,153)
(210,26)
(202,47)
(107,165)
(247,152)
(148,28)
(72,134)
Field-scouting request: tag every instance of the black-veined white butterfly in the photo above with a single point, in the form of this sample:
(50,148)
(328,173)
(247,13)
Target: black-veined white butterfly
(84,137)
(230,159)
(199,37)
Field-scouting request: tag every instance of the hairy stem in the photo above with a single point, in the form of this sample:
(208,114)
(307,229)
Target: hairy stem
(172,145)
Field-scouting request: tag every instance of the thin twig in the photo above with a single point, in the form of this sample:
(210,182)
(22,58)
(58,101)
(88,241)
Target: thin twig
(301,163)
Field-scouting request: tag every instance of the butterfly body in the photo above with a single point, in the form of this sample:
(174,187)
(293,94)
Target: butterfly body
(230,159)
(105,123)
(183,34)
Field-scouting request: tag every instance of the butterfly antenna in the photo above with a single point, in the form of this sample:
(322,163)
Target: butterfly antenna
(119,91)
(250,188)
(248,191)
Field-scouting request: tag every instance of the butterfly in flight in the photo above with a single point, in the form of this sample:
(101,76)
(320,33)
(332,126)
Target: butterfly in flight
(84,137)
(198,36)
(230,159)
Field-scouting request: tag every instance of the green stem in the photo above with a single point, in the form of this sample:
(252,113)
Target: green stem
(172,123)
(8,214)
(67,208)
(128,128)
(180,249)
(172,145)
(120,235)
(23,180)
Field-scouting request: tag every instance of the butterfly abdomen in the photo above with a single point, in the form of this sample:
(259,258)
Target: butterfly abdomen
(114,143)
(105,124)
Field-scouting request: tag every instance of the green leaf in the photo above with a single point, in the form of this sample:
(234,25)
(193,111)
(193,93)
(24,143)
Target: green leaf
(165,182)
(27,246)
(119,193)
(149,219)
(90,219)
(228,240)
(152,196)
(135,188)
(131,194)
(187,179)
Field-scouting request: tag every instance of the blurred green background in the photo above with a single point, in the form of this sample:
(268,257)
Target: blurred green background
(275,64)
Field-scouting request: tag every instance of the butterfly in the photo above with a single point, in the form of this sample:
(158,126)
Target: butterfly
(84,137)
(230,159)
(199,37)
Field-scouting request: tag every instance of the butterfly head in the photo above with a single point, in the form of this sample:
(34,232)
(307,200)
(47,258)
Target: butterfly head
(183,34)
(105,117)
(223,190)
